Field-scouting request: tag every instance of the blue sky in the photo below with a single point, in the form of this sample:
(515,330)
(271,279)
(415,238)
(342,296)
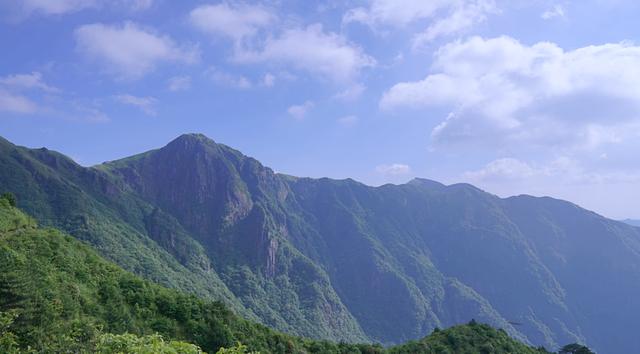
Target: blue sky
(539,97)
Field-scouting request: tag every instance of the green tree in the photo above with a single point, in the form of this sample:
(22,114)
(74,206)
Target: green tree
(238,349)
(8,340)
(575,349)
(10,197)
(132,344)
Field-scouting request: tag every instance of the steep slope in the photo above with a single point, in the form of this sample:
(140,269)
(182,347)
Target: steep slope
(346,261)
(92,206)
(232,206)
(63,297)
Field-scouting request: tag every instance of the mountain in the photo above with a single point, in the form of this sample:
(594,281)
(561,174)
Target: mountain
(340,260)
(58,295)
(631,222)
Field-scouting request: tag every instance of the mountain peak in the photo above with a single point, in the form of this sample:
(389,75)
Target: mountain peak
(193,138)
(423,182)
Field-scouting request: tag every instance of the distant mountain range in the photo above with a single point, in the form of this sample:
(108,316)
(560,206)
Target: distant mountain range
(337,259)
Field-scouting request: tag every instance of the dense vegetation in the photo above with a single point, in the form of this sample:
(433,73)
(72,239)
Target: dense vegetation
(340,260)
(58,295)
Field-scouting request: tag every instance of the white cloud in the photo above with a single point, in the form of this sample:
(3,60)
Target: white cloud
(129,50)
(562,177)
(500,91)
(299,112)
(268,80)
(447,16)
(227,79)
(396,169)
(62,7)
(15,103)
(179,83)
(313,50)
(56,7)
(26,81)
(395,12)
(145,104)
(556,11)
(462,17)
(351,93)
(236,21)
(504,168)
(348,121)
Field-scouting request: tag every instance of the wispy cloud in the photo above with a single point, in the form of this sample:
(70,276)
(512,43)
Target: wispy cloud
(299,112)
(348,121)
(224,78)
(395,169)
(556,11)
(15,103)
(446,17)
(145,104)
(26,8)
(179,83)
(26,81)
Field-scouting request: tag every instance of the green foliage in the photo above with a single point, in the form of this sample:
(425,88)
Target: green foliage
(473,338)
(152,344)
(8,340)
(58,296)
(9,197)
(575,349)
(237,349)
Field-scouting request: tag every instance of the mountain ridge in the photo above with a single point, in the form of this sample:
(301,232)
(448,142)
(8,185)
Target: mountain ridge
(317,257)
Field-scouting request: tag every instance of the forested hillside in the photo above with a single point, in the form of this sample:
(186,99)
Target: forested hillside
(58,295)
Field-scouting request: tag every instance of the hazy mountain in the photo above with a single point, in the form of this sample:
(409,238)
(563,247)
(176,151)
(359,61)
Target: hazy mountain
(631,222)
(339,259)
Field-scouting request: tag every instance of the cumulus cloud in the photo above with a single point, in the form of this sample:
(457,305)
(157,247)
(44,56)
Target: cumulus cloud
(145,104)
(236,21)
(130,50)
(179,83)
(500,91)
(299,112)
(260,36)
(313,50)
(395,169)
(447,17)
